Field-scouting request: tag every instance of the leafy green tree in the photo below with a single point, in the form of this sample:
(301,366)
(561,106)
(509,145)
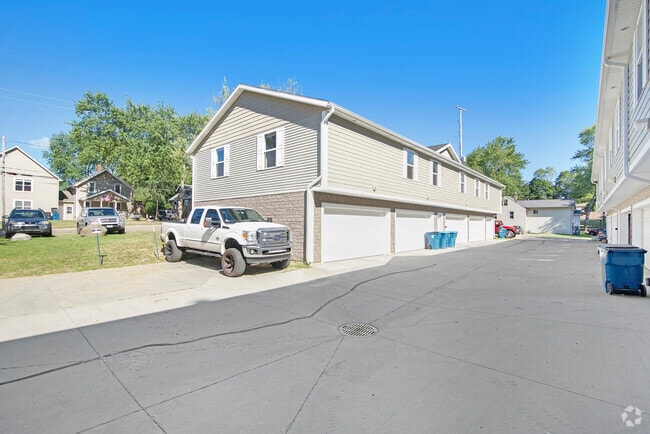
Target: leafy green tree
(500,160)
(142,144)
(542,186)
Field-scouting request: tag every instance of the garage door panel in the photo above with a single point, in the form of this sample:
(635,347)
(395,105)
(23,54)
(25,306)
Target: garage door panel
(476,229)
(410,227)
(354,232)
(458,223)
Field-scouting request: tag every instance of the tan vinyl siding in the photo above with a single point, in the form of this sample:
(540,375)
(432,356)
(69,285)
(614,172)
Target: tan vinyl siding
(253,115)
(362,161)
(44,190)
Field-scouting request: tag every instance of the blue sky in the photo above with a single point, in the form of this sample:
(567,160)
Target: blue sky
(522,69)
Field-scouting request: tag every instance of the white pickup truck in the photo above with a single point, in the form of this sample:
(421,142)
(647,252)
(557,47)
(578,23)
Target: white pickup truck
(240,236)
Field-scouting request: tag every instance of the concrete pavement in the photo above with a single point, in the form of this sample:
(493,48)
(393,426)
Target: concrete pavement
(516,336)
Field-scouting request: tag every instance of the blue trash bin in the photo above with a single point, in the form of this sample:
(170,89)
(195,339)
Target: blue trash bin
(622,268)
(452,238)
(444,240)
(502,232)
(433,240)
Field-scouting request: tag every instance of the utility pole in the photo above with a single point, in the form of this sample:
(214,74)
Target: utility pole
(2,169)
(460,132)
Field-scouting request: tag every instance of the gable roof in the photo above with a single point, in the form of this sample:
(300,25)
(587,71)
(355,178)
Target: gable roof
(446,148)
(87,179)
(549,203)
(336,111)
(18,149)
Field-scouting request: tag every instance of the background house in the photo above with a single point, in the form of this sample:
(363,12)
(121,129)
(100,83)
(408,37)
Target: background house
(553,216)
(621,166)
(512,213)
(100,189)
(346,186)
(28,184)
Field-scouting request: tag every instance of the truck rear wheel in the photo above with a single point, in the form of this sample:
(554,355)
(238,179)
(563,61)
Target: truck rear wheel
(233,263)
(281,265)
(510,234)
(172,252)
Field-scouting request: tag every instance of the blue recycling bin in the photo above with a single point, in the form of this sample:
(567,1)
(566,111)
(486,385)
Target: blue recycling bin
(452,238)
(622,268)
(502,232)
(433,240)
(444,240)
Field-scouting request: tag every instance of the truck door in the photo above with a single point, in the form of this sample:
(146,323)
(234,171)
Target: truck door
(210,238)
(194,229)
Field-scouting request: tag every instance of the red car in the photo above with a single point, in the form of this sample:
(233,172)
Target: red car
(511,232)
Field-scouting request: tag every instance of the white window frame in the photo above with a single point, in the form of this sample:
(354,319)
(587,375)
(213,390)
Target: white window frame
(487,191)
(477,188)
(68,209)
(461,182)
(23,203)
(413,166)
(262,151)
(436,174)
(118,188)
(23,182)
(92,187)
(215,162)
(639,56)
(535,212)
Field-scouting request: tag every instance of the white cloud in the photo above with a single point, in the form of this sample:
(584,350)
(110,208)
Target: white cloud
(42,143)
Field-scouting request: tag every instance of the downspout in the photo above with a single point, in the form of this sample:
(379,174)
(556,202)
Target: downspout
(322,178)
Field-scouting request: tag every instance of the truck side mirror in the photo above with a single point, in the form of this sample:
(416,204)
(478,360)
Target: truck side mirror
(209,221)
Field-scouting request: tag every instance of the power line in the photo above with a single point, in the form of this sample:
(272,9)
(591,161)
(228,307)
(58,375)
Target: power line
(36,102)
(34,94)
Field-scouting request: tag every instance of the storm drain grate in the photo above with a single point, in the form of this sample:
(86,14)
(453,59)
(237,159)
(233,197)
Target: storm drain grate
(357,329)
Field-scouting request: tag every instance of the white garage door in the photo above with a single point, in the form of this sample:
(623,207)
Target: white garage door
(354,232)
(476,229)
(410,227)
(458,223)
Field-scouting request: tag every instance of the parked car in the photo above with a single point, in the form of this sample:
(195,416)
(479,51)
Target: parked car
(511,232)
(239,236)
(107,217)
(166,214)
(27,221)
(518,229)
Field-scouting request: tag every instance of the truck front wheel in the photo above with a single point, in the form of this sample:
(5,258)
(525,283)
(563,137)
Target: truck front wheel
(233,263)
(510,234)
(281,265)
(172,252)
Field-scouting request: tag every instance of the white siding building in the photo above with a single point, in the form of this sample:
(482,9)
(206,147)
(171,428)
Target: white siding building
(621,165)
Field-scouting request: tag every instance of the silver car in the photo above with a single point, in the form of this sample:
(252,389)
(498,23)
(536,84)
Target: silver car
(107,217)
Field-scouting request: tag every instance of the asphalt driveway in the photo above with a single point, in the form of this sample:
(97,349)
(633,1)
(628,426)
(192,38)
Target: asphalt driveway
(517,336)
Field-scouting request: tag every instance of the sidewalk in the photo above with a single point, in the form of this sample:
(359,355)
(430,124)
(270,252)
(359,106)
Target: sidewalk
(32,306)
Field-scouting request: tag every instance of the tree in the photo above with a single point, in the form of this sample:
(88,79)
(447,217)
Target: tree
(143,145)
(541,186)
(576,183)
(500,161)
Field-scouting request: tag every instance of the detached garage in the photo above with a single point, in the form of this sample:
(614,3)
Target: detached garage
(354,232)
(410,227)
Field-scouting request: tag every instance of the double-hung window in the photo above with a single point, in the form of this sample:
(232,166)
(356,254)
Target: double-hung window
(22,204)
(270,149)
(92,187)
(220,162)
(118,188)
(410,165)
(638,57)
(477,188)
(435,173)
(462,182)
(23,184)
(487,191)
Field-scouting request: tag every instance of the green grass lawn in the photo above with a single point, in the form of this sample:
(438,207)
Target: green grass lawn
(64,224)
(71,252)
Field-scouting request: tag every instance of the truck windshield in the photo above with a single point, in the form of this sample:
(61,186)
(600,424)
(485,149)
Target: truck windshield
(235,215)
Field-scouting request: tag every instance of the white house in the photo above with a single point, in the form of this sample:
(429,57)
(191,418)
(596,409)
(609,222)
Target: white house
(621,167)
